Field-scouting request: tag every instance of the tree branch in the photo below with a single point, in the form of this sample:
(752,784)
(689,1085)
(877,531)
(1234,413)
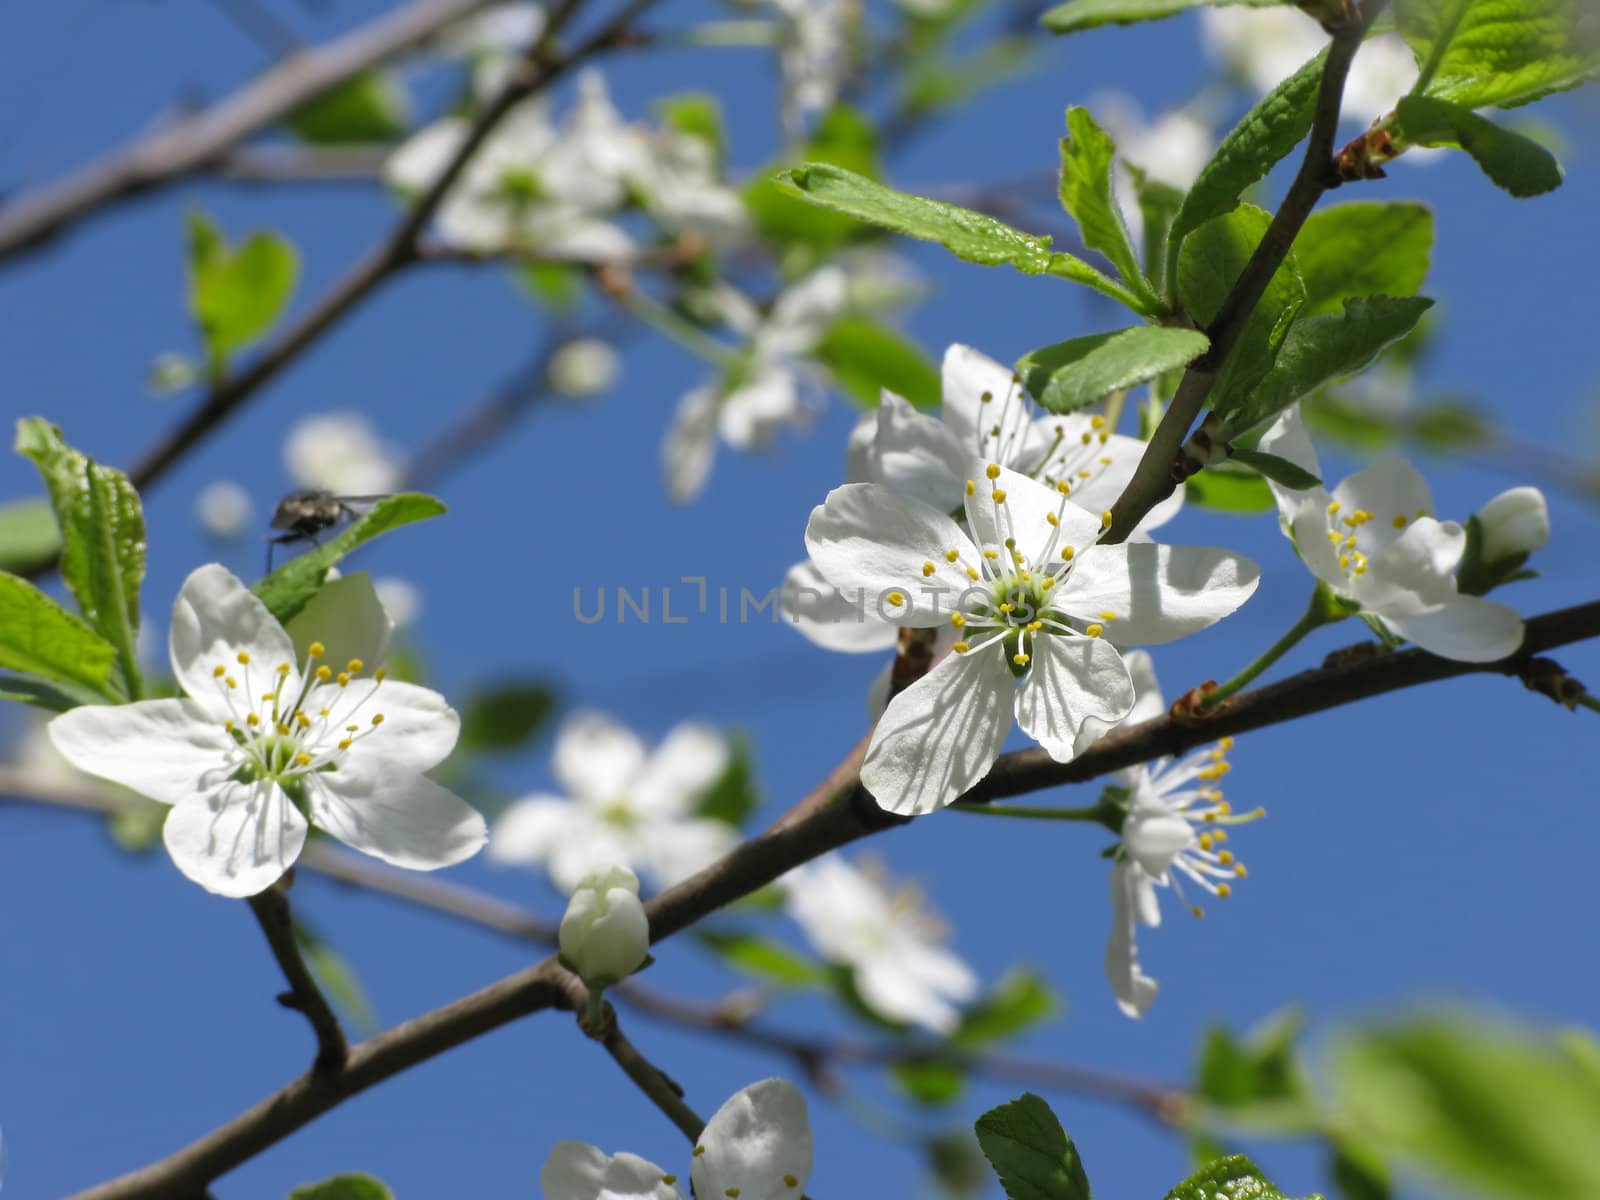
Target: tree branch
(271,908)
(1153,479)
(659,1088)
(396,251)
(835,814)
(195,142)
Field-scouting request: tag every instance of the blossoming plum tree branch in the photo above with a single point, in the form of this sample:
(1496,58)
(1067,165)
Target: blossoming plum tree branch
(1153,481)
(836,813)
(272,910)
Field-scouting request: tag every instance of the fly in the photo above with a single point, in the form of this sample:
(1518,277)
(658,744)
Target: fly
(304,514)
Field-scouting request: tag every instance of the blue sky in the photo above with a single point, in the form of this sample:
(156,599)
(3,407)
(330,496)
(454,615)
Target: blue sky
(1426,845)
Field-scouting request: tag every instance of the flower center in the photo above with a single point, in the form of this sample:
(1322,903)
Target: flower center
(291,724)
(1356,539)
(1012,600)
(1160,795)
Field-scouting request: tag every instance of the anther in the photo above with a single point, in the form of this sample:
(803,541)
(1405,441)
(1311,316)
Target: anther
(951,555)
(999,495)
(1108,616)
(219,672)
(928,569)
(958,620)
(992,470)
(1066,553)
(342,678)
(377,719)
(961,647)
(1020,659)
(316,650)
(324,673)
(895,599)
(243,658)
(1399,521)
(1105,519)
(972,488)
(354,666)
(1094,630)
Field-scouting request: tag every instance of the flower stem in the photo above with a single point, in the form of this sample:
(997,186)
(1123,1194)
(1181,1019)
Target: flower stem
(1089,812)
(594,1011)
(671,325)
(1589,701)
(1323,610)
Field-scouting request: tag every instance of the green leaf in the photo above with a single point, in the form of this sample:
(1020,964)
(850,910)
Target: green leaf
(1358,1172)
(734,796)
(1515,163)
(764,958)
(40,694)
(844,138)
(1232,1178)
(369,107)
(1228,487)
(698,114)
(335,976)
(1089,14)
(344,1187)
(1087,153)
(1031,1153)
(103,537)
(38,637)
(968,235)
(236,295)
(29,536)
(1446,427)
(1017,1002)
(1321,349)
(1081,371)
(866,356)
(930,1081)
(1279,470)
(1363,249)
(556,287)
(506,715)
(1212,260)
(286,591)
(1158,204)
(1501,52)
(1247,155)
(1492,1109)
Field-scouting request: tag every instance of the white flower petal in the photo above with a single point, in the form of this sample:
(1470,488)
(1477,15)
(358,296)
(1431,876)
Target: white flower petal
(394,814)
(1147,701)
(690,445)
(168,750)
(759,1142)
(349,620)
(896,993)
(1157,593)
(826,616)
(679,771)
(941,735)
(1386,489)
(596,759)
(577,1171)
(967,377)
(237,841)
(866,536)
(214,620)
(1288,439)
(750,415)
(1133,989)
(1517,521)
(917,455)
(529,830)
(422,157)
(1026,517)
(1071,680)
(1468,629)
(803,311)
(418,730)
(675,850)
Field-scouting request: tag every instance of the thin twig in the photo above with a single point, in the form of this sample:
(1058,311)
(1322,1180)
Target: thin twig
(271,908)
(1153,479)
(845,816)
(193,143)
(396,251)
(658,1087)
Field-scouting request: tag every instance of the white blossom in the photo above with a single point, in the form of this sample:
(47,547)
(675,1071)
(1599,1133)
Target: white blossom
(1375,542)
(224,509)
(400,599)
(985,414)
(886,935)
(813,56)
(625,805)
(604,935)
(268,737)
(340,452)
(1041,607)
(1174,830)
(770,387)
(757,1146)
(499,29)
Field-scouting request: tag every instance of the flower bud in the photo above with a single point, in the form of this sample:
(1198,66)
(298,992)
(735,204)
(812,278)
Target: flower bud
(1515,524)
(583,367)
(605,936)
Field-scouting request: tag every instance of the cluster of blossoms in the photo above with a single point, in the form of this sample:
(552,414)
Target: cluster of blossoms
(556,188)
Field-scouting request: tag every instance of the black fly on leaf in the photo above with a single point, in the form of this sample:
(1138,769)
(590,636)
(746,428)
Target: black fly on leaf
(304,514)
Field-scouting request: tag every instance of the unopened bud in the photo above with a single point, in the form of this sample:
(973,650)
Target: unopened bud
(605,936)
(1515,524)
(583,367)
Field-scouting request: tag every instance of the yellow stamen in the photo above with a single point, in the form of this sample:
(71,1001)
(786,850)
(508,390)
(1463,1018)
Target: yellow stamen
(1094,630)
(316,650)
